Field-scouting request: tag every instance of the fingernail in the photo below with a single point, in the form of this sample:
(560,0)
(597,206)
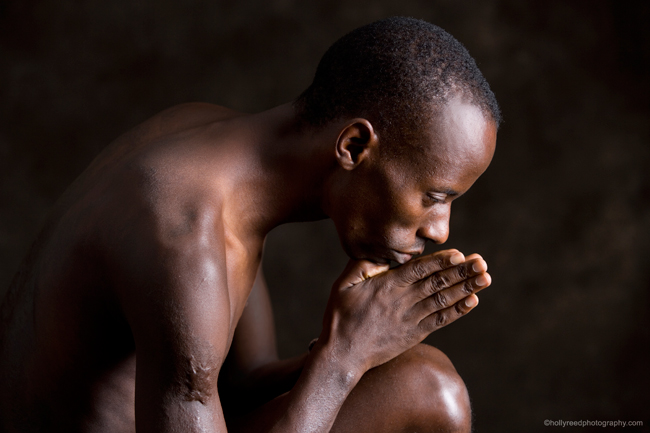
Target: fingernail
(456,259)
(481,280)
(471,301)
(477,267)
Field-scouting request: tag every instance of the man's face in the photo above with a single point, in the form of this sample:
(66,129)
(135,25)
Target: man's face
(391,206)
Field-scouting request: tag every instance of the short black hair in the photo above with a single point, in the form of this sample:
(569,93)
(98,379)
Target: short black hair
(395,72)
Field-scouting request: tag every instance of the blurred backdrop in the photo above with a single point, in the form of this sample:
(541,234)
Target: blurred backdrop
(562,215)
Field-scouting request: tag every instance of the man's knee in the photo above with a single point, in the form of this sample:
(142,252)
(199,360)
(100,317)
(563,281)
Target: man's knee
(431,393)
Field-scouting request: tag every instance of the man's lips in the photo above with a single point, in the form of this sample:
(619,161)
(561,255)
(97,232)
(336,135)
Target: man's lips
(398,256)
(402,257)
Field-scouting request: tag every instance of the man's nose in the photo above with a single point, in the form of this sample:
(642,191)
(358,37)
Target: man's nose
(436,229)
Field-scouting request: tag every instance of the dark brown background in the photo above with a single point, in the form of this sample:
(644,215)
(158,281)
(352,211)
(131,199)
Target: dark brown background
(562,214)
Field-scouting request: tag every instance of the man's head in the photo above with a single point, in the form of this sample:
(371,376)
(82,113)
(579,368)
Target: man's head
(387,207)
(397,73)
(417,124)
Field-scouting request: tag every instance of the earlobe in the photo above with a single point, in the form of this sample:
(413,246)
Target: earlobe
(354,143)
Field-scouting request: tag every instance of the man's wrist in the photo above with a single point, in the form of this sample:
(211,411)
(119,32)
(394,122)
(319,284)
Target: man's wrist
(346,369)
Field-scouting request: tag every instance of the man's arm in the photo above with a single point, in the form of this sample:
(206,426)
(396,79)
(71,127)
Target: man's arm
(373,315)
(174,295)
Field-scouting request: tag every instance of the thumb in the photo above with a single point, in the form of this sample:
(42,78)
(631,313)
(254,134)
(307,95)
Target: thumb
(357,271)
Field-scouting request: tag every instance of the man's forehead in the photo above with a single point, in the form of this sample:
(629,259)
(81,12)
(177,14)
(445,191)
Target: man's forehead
(460,137)
(459,129)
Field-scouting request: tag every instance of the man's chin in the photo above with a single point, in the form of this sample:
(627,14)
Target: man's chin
(379,260)
(370,258)
(364,255)
(381,257)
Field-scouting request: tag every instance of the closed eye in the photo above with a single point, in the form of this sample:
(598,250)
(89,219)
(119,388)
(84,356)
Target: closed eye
(439,196)
(433,198)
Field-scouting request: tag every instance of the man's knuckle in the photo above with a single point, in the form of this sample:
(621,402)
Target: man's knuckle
(440,300)
(462,272)
(442,262)
(419,270)
(429,288)
(438,282)
(467,288)
(440,320)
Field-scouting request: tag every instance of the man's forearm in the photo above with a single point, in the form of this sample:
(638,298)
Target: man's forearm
(314,402)
(266,382)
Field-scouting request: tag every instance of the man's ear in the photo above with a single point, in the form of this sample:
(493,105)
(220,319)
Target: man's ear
(354,143)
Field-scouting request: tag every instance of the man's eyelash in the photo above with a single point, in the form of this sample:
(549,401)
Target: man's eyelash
(435,199)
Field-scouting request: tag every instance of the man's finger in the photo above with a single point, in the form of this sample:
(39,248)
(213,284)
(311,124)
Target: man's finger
(446,298)
(422,267)
(449,277)
(444,317)
(357,271)
(472,257)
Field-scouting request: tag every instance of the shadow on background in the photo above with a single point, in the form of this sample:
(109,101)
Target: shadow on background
(561,216)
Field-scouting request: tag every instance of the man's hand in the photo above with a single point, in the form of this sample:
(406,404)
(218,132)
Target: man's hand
(374,314)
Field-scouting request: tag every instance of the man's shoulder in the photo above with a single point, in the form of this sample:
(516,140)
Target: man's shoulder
(167,189)
(169,123)
(193,114)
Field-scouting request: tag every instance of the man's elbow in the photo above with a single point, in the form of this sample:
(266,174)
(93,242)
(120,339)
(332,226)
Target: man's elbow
(200,380)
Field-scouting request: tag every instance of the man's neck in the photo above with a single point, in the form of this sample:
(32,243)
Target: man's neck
(287,166)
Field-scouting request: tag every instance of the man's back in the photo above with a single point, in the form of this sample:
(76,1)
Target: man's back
(67,355)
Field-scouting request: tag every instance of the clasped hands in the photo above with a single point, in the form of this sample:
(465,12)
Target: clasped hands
(375,313)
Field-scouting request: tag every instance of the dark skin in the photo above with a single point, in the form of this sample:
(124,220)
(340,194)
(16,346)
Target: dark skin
(153,253)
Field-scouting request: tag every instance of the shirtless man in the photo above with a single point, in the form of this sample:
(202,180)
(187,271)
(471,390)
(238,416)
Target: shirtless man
(138,305)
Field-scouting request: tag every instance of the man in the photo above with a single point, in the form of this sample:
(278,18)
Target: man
(140,295)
